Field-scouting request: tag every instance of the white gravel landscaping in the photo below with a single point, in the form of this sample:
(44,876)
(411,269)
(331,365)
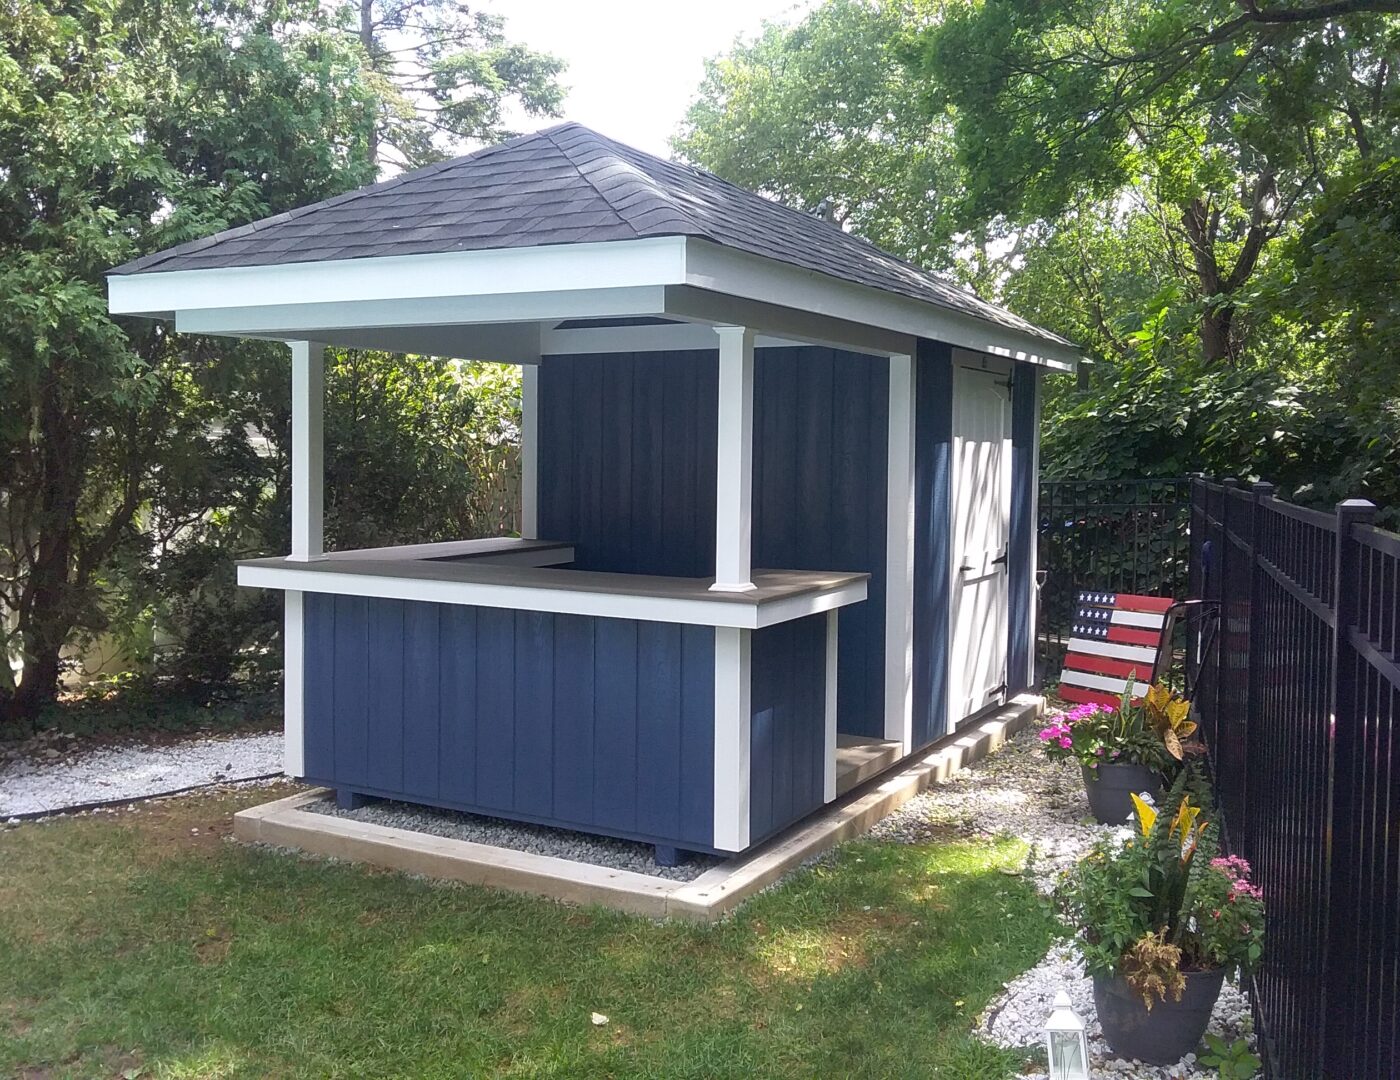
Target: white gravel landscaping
(30,786)
(518,836)
(1017,792)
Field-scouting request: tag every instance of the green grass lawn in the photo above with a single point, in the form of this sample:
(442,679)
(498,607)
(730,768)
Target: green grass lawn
(130,946)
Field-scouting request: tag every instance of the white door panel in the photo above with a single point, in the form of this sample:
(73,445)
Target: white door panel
(981,532)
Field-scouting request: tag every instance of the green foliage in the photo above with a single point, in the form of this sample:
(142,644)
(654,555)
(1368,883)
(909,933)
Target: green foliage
(1232,1060)
(137,465)
(1095,735)
(1198,193)
(444,73)
(820,112)
(1133,900)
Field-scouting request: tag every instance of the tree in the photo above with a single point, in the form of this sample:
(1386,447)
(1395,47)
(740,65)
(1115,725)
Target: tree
(1229,117)
(821,115)
(445,74)
(126,127)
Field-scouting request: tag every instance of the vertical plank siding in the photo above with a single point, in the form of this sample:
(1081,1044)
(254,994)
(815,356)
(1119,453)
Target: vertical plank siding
(821,420)
(591,723)
(933,554)
(788,734)
(627,460)
(627,472)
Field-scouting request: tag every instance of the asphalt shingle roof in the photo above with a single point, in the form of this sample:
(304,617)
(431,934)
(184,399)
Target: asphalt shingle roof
(563,185)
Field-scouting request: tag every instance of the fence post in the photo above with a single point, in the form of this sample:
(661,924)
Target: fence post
(1254,668)
(1341,961)
(1222,630)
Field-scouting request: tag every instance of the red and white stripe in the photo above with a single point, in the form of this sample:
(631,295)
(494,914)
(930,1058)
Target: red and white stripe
(1116,637)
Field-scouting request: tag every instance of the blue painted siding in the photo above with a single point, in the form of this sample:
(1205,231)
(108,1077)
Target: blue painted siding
(1020,571)
(627,460)
(933,434)
(788,736)
(821,436)
(604,725)
(627,472)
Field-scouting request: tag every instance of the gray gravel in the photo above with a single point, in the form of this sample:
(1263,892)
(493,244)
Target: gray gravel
(1015,1019)
(128,772)
(1018,792)
(536,839)
(1013,792)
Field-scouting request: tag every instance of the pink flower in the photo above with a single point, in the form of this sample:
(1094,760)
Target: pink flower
(1046,735)
(1065,742)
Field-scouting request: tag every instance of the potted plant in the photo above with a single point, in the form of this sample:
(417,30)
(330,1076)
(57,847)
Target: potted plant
(1122,751)
(1159,928)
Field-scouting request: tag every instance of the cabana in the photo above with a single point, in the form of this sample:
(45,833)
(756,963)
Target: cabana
(778,522)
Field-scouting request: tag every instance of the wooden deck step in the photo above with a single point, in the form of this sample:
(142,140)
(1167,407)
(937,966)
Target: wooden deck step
(859,758)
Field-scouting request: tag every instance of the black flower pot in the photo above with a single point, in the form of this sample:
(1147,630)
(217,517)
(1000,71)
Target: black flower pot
(1166,1034)
(1111,788)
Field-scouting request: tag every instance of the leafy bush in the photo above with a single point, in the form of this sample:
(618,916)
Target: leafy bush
(1150,909)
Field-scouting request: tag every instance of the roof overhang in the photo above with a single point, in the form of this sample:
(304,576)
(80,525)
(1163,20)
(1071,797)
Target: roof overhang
(510,296)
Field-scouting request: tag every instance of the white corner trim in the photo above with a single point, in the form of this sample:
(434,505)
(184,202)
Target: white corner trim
(522,270)
(308,450)
(734,467)
(829,754)
(294,685)
(736,614)
(529,451)
(733,734)
(899,558)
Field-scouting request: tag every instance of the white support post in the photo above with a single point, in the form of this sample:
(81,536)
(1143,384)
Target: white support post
(308,449)
(529,451)
(734,476)
(733,733)
(294,684)
(899,558)
(832,657)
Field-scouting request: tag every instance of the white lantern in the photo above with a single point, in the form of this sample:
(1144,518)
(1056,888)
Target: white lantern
(1065,1044)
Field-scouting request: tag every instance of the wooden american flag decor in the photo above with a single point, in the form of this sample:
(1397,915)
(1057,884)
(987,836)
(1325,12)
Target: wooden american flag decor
(1114,636)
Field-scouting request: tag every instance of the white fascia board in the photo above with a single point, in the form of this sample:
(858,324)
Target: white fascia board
(737,273)
(741,615)
(498,272)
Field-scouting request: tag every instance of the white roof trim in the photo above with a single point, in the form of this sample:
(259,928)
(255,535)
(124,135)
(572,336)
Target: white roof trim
(537,283)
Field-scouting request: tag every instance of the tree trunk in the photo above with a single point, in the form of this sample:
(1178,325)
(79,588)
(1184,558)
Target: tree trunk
(45,612)
(1216,324)
(367,43)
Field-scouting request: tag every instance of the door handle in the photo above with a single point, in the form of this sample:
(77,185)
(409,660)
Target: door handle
(999,559)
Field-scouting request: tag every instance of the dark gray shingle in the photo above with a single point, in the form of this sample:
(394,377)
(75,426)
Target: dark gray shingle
(566,184)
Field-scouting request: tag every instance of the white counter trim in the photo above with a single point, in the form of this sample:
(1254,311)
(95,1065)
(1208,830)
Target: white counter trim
(740,613)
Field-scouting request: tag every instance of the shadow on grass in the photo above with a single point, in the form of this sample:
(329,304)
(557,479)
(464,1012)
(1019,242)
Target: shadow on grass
(226,961)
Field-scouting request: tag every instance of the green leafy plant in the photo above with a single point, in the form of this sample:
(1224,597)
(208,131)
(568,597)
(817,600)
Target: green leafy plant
(1149,908)
(1146,732)
(1232,1060)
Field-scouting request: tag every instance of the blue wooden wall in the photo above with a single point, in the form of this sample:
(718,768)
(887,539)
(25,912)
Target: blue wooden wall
(1025,385)
(627,460)
(788,735)
(627,472)
(821,442)
(603,724)
(933,428)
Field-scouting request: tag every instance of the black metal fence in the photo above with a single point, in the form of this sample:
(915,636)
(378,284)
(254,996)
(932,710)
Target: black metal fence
(1120,535)
(1299,702)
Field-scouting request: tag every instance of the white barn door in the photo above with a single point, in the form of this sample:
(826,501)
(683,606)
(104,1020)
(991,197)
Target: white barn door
(981,533)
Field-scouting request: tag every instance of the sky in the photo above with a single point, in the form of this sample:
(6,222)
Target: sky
(634,65)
